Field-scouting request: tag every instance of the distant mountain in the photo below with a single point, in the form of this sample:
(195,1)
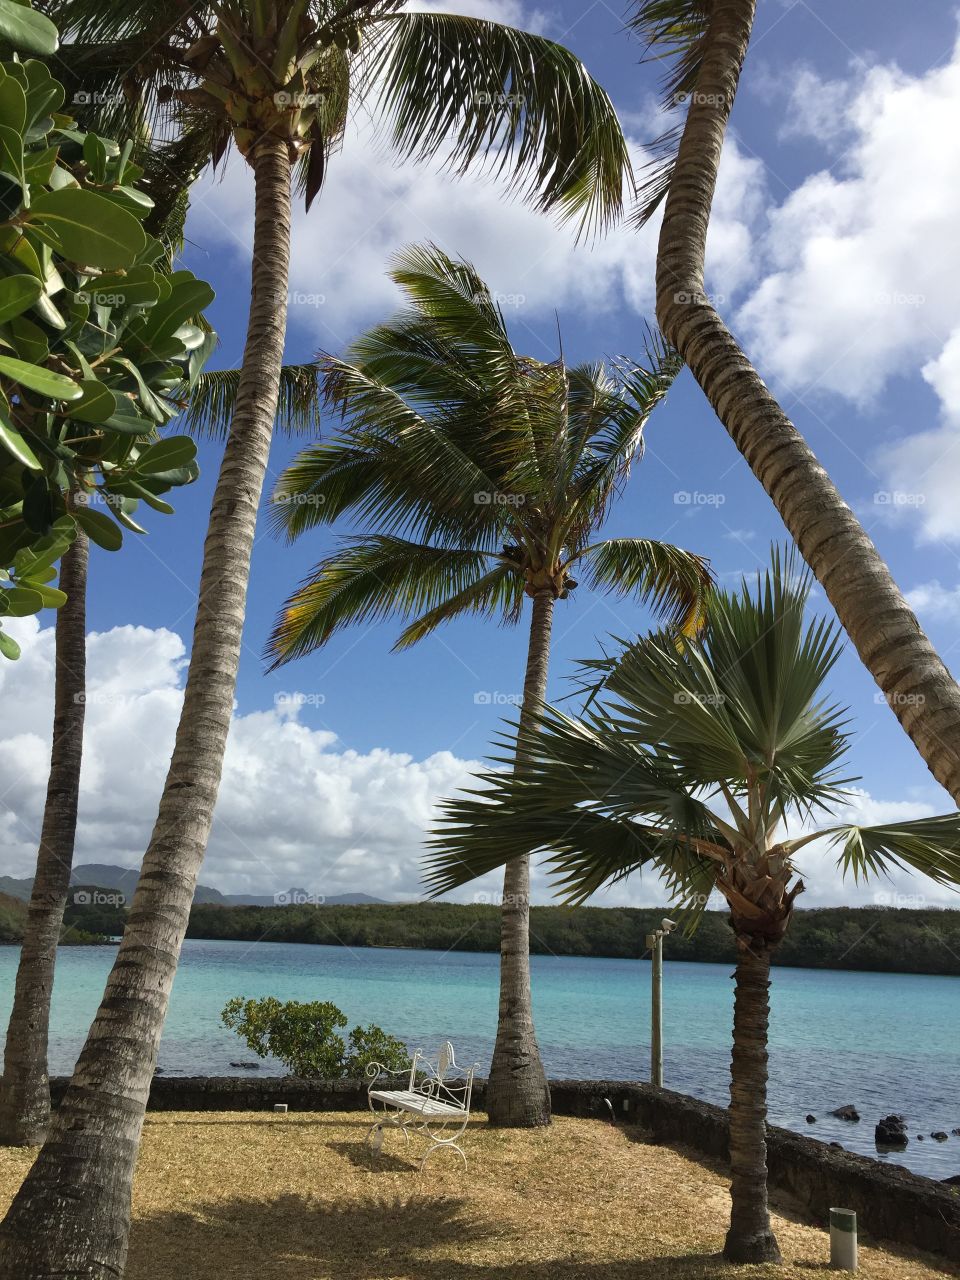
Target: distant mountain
(124,880)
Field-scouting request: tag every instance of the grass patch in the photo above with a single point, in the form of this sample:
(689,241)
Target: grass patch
(258,1196)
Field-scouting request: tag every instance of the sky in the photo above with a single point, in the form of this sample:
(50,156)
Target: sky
(832,254)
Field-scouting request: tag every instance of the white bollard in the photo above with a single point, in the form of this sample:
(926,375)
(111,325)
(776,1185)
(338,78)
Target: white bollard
(843,1239)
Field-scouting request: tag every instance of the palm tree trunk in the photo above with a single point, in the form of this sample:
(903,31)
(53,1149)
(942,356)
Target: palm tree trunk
(71,1216)
(25,1088)
(750,1238)
(917,685)
(517,1093)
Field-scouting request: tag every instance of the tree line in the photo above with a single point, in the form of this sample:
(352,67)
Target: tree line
(860,938)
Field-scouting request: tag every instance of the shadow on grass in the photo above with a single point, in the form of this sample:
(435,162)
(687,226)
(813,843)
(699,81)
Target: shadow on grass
(420,1237)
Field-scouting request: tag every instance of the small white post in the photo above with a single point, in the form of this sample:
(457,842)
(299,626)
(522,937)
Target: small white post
(843,1239)
(655,942)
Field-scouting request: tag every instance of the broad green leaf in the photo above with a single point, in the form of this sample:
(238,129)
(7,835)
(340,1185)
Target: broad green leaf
(127,421)
(52,597)
(30,340)
(139,286)
(165,455)
(14,443)
(11,155)
(13,104)
(28,31)
(9,647)
(44,381)
(23,601)
(44,94)
(95,154)
(99,528)
(17,293)
(86,228)
(97,403)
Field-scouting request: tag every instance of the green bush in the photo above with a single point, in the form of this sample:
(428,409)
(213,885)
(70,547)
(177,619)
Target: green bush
(304,1037)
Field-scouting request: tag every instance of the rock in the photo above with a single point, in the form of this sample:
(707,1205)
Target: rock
(955,1132)
(952,1181)
(891,1131)
(246,1066)
(940,1136)
(849,1112)
(838,1145)
(811,1119)
(919,1137)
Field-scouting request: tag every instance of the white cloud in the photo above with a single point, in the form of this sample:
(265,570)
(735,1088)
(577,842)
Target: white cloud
(933,601)
(296,808)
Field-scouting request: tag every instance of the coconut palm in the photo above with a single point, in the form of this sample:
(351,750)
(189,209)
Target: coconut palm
(277,80)
(482,477)
(690,761)
(703,44)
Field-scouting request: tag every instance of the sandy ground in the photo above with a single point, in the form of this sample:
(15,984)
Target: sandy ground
(249,1196)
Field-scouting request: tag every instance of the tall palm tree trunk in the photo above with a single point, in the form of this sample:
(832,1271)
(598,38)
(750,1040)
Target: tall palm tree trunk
(517,1093)
(917,685)
(750,1238)
(71,1216)
(25,1088)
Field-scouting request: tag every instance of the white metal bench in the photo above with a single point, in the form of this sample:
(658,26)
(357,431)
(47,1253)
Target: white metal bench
(436,1102)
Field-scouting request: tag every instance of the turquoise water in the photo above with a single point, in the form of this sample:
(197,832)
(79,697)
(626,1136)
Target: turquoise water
(885,1042)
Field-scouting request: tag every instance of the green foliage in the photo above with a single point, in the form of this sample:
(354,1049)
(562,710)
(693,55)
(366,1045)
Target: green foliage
(304,1037)
(895,940)
(688,762)
(481,475)
(98,343)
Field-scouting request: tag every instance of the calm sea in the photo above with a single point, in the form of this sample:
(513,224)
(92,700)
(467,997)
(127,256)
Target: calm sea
(883,1041)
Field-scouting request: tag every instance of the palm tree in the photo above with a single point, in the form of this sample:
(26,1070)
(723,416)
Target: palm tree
(276,79)
(689,762)
(483,477)
(703,43)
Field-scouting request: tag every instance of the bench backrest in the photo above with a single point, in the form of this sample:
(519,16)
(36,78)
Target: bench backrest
(441,1078)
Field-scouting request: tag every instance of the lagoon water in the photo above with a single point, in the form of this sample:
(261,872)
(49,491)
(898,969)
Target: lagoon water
(883,1041)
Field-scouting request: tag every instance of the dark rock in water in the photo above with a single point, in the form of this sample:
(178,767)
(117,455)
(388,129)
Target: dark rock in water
(158,1071)
(891,1131)
(952,1181)
(939,1135)
(955,1132)
(246,1066)
(838,1145)
(919,1137)
(811,1119)
(849,1112)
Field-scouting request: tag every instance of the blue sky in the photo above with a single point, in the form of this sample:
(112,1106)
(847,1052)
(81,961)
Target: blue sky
(832,255)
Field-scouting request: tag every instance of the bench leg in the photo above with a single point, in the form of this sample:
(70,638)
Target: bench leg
(448,1143)
(375,1132)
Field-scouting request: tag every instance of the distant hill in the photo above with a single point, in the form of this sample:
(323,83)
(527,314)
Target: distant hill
(13,914)
(124,880)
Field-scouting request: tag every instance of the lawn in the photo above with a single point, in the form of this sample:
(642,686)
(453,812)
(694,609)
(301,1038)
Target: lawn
(249,1196)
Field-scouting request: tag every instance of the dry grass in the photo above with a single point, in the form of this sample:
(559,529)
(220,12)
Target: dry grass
(248,1196)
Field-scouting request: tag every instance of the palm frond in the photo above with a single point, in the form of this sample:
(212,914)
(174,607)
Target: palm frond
(673,32)
(526,107)
(367,580)
(928,845)
(498,594)
(676,583)
(209,407)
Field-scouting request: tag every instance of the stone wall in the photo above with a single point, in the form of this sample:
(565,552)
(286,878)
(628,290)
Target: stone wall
(890,1202)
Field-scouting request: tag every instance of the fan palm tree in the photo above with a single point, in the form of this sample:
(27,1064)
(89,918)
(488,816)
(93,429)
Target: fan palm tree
(703,43)
(690,761)
(275,79)
(483,476)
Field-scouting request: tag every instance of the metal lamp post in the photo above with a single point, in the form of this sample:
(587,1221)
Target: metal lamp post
(655,946)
